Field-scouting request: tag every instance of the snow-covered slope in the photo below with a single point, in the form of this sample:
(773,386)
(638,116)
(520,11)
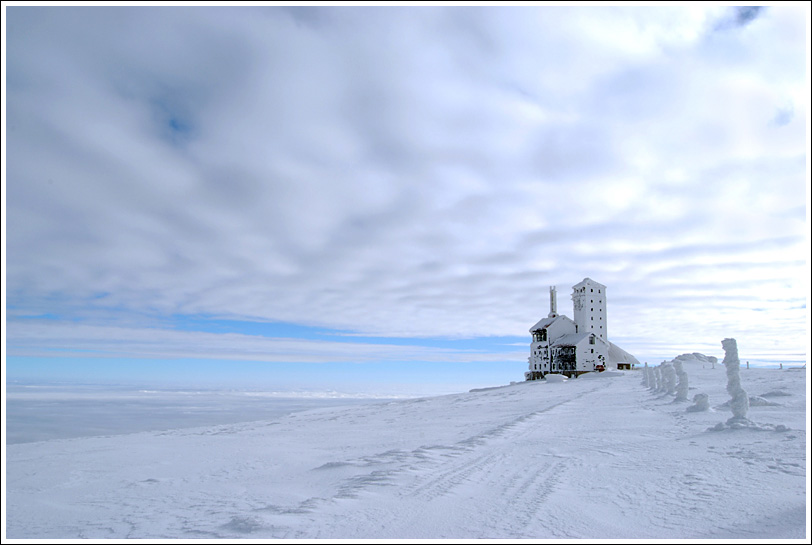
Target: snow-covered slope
(600,456)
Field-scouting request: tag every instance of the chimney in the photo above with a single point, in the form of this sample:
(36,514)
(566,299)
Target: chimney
(553,306)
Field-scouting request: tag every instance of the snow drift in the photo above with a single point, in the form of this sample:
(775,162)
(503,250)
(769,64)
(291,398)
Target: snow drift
(599,456)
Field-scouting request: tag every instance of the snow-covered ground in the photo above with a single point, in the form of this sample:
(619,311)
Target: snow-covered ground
(601,456)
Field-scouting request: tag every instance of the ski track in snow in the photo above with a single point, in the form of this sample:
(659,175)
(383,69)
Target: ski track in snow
(595,457)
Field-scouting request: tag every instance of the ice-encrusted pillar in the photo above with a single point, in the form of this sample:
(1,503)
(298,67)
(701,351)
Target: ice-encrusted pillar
(682,385)
(669,379)
(739,403)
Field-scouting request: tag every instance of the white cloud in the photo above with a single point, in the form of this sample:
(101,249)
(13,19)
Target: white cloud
(406,171)
(44,339)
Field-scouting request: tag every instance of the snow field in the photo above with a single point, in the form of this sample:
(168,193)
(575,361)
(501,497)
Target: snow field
(600,456)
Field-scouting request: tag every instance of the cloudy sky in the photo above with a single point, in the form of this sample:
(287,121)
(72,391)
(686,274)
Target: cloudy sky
(385,194)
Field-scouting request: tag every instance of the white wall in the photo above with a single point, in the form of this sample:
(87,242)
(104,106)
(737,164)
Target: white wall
(589,308)
(587,354)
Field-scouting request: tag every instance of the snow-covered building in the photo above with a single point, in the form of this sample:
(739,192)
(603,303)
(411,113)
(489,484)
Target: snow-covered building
(573,347)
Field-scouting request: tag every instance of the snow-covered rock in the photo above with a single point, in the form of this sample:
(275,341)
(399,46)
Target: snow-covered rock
(701,403)
(697,357)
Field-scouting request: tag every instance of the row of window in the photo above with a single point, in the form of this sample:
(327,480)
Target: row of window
(556,367)
(540,336)
(538,367)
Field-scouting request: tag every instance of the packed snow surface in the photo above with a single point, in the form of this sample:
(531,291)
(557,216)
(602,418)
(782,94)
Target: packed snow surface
(600,456)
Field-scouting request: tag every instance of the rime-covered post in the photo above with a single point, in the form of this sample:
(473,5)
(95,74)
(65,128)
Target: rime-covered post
(682,385)
(644,382)
(658,379)
(670,379)
(739,403)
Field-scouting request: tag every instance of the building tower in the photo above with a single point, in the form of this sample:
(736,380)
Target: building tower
(553,305)
(589,307)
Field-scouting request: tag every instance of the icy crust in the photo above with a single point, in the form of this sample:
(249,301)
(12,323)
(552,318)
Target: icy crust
(752,401)
(738,423)
(589,458)
(776,393)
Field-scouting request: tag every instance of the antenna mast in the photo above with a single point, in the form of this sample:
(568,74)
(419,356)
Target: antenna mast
(553,306)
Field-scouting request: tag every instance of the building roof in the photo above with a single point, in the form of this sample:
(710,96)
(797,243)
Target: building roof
(617,354)
(547,322)
(588,282)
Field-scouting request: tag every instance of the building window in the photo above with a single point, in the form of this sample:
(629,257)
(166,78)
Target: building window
(591,339)
(592,350)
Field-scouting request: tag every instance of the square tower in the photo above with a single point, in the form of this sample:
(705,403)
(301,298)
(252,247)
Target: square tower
(589,307)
